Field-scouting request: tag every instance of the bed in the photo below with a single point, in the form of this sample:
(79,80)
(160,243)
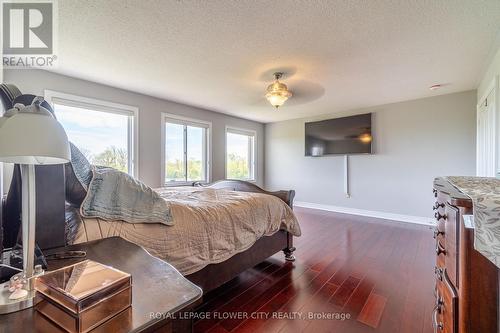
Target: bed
(59,224)
(263,225)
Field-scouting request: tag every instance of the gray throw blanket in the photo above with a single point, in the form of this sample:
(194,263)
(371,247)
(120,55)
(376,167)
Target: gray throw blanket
(115,195)
(81,166)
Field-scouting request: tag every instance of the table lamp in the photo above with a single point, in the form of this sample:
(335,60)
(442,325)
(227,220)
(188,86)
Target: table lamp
(29,135)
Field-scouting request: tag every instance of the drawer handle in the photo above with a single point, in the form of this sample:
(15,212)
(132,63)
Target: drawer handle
(439,273)
(439,303)
(438,216)
(438,205)
(438,325)
(437,232)
(440,249)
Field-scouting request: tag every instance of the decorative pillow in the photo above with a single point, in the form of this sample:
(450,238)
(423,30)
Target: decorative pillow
(8,92)
(78,175)
(12,210)
(115,195)
(27,99)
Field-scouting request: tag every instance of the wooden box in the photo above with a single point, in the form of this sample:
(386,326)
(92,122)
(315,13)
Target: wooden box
(80,297)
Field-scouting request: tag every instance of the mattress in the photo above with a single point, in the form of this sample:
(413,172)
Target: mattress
(210,226)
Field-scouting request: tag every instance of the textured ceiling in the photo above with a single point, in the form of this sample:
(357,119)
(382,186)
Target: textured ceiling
(220,54)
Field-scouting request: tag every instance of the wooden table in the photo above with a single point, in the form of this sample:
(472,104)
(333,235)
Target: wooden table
(160,294)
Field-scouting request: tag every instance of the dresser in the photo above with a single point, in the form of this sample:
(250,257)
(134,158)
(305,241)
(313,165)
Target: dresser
(467,283)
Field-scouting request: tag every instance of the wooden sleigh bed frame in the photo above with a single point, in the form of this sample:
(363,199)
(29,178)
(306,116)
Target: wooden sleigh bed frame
(51,227)
(215,275)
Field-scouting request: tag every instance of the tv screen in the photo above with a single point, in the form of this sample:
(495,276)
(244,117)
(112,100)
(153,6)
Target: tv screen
(347,135)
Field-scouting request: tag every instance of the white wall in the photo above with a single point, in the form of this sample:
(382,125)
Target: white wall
(150,109)
(414,142)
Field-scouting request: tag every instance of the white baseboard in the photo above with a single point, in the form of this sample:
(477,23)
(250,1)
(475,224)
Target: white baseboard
(369,213)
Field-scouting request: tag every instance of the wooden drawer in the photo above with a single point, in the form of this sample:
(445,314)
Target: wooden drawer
(446,235)
(439,232)
(440,253)
(440,227)
(439,212)
(446,309)
(451,218)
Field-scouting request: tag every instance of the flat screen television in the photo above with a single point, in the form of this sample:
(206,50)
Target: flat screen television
(344,136)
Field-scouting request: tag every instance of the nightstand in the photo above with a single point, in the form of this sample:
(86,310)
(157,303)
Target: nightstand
(161,296)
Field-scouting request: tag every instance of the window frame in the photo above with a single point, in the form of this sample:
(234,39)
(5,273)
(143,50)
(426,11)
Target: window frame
(253,163)
(186,121)
(93,104)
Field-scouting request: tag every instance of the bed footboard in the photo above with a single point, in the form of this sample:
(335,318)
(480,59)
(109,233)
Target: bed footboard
(243,186)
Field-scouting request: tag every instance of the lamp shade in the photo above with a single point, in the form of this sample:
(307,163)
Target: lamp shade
(33,137)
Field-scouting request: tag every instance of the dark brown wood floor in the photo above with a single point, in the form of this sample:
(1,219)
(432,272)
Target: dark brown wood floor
(378,272)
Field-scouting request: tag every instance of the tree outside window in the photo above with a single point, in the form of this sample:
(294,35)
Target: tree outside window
(240,154)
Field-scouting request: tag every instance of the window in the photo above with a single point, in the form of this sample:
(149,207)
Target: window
(240,154)
(106,133)
(186,150)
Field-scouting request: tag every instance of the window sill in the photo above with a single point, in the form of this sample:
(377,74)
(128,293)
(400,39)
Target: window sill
(190,183)
(253,181)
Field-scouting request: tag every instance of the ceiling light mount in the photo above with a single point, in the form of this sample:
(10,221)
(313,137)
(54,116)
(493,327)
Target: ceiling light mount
(278,75)
(277,92)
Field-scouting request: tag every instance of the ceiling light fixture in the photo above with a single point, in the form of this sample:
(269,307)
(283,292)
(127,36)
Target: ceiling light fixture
(277,92)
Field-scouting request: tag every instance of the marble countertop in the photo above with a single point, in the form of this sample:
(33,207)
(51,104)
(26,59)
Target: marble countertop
(485,195)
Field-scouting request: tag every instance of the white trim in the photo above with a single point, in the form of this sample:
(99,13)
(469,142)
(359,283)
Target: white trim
(92,103)
(491,86)
(132,112)
(242,131)
(493,129)
(184,121)
(368,213)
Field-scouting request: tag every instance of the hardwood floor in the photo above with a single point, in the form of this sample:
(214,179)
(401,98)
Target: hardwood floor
(380,273)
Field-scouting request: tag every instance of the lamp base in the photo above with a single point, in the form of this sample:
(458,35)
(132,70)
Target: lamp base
(13,257)
(8,306)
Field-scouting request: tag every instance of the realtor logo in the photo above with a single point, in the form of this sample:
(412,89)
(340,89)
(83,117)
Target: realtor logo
(28,33)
